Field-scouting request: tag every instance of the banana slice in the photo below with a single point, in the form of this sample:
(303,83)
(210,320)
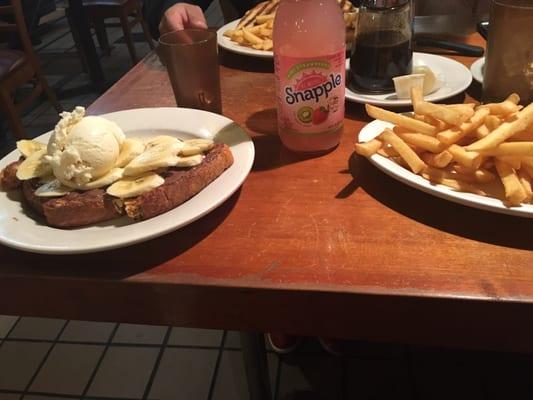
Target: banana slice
(112,176)
(162,155)
(160,140)
(52,188)
(131,187)
(131,148)
(34,166)
(28,147)
(196,146)
(189,161)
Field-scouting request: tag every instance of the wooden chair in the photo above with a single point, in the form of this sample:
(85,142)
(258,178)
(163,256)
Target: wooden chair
(100,10)
(18,68)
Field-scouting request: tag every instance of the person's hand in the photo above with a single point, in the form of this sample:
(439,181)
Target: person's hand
(182,16)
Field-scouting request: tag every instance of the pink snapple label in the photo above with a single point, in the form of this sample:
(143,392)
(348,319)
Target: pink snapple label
(311,93)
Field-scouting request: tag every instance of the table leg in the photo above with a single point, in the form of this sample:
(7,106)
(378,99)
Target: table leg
(81,23)
(255,364)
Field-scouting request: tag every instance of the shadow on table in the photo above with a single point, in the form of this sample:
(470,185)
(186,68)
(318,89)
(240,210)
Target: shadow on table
(468,222)
(245,63)
(127,261)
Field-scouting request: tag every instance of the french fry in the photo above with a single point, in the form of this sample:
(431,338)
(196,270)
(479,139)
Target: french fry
(406,122)
(466,107)
(514,191)
(257,29)
(453,135)
(425,142)
(368,148)
(505,130)
(526,135)
(229,33)
(446,114)
(468,159)
(388,151)
(252,38)
(265,32)
(416,95)
(508,106)
(268,45)
(435,174)
(439,160)
(260,19)
(237,33)
(492,121)
(482,131)
(519,149)
(410,157)
(454,184)
(480,175)
(525,180)
(270,24)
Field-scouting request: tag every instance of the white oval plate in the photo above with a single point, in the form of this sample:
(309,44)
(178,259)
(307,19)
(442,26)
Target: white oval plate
(374,128)
(227,44)
(477,69)
(453,78)
(24,232)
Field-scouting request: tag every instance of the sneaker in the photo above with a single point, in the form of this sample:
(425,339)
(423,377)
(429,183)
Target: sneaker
(281,343)
(331,346)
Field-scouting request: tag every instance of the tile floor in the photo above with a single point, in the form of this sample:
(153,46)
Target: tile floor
(49,359)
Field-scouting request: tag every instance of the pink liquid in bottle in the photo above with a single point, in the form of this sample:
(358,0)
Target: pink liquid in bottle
(309,59)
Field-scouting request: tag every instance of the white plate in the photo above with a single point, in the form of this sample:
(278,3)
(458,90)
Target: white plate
(401,174)
(453,78)
(24,232)
(477,69)
(226,43)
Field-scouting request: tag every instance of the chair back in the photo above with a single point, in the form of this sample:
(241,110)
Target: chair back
(14,10)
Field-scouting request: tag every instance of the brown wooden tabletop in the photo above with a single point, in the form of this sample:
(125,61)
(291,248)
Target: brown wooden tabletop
(328,246)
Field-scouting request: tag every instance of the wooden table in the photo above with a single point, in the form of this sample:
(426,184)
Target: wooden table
(321,246)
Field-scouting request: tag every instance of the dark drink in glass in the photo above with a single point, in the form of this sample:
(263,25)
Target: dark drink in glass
(382,48)
(377,57)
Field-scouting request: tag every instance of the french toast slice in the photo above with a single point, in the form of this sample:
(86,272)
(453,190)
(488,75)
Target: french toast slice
(79,208)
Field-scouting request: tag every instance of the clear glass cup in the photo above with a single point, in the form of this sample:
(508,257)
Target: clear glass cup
(382,48)
(191,58)
(509,56)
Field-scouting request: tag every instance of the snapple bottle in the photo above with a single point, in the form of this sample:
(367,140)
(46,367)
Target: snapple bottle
(309,59)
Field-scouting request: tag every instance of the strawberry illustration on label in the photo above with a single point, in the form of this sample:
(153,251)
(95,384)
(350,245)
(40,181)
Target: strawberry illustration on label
(320,115)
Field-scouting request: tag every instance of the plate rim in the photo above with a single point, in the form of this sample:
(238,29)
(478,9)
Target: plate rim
(408,178)
(477,66)
(407,102)
(77,248)
(227,44)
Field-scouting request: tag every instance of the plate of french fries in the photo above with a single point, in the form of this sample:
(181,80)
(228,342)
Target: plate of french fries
(476,155)
(254,41)
(252,34)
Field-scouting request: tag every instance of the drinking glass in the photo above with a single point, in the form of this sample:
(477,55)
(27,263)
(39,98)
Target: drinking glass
(509,56)
(191,58)
(382,48)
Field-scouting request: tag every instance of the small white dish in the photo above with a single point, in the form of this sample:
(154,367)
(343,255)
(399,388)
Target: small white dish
(26,232)
(477,69)
(228,44)
(374,128)
(452,78)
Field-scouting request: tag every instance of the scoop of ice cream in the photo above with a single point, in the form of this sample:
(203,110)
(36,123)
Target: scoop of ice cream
(82,149)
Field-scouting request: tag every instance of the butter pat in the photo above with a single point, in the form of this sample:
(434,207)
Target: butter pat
(430,80)
(404,83)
